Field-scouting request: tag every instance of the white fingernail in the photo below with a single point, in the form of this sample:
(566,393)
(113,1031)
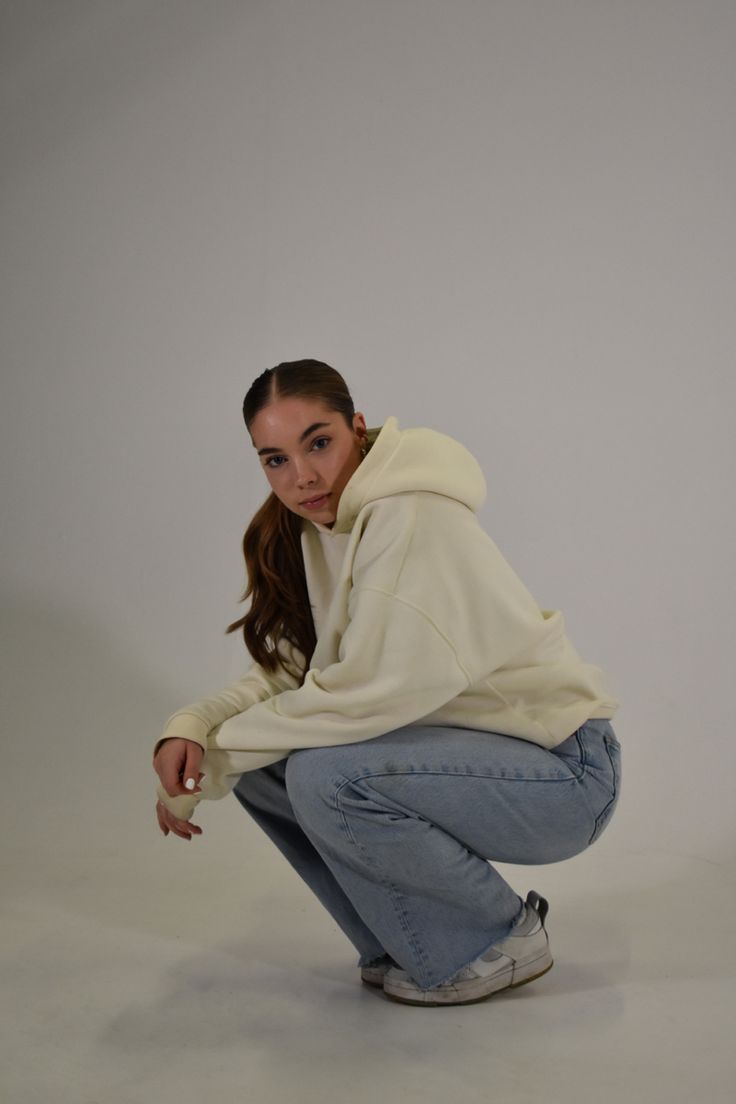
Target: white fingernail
(190,784)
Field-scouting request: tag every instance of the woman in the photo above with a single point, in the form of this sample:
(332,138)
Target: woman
(411,712)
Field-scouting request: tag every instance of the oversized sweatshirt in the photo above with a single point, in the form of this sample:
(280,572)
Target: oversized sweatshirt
(419,619)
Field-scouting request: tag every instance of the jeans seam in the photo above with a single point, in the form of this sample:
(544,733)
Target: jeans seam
(600,820)
(610,760)
(390,888)
(367,775)
(583,757)
(603,815)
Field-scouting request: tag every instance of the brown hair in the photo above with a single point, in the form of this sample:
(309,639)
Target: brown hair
(279,611)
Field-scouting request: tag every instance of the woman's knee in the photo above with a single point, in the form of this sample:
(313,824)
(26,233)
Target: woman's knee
(303,768)
(311,779)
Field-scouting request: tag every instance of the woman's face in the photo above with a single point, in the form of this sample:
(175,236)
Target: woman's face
(307,451)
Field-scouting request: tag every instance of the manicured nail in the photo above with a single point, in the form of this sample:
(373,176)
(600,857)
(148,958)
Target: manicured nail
(190,784)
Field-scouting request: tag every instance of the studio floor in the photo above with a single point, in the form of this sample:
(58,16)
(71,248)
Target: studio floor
(181,972)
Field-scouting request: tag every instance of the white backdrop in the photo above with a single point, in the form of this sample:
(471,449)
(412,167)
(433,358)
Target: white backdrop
(511,221)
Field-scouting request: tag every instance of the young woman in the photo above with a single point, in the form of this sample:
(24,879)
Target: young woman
(411,712)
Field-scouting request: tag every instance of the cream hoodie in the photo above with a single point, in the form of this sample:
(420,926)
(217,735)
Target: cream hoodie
(419,620)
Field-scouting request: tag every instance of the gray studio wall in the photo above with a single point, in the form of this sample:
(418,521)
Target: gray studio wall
(511,221)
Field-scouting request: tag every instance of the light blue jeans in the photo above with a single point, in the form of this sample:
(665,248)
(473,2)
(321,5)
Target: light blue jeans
(394,834)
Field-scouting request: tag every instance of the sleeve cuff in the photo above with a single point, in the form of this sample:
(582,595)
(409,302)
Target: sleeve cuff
(181,806)
(185,726)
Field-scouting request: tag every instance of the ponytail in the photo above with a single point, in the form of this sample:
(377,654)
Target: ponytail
(279,611)
(280,616)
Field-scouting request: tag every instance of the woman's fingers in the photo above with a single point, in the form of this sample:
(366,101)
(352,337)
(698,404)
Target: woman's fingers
(185,829)
(161,822)
(176,761)
(191,773)
(168,765)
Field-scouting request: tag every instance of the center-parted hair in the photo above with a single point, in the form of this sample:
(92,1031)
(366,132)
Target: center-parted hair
(277,585)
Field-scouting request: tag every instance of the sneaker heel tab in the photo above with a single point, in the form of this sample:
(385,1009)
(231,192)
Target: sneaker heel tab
(539,904)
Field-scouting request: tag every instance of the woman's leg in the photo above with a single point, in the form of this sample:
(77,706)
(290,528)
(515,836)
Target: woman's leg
(407,822)
(262,793)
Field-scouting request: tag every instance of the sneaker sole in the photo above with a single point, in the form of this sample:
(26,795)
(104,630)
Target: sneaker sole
(421,1003)
(376,984)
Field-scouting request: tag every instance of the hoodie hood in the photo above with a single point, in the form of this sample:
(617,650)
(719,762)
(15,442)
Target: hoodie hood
(417,459)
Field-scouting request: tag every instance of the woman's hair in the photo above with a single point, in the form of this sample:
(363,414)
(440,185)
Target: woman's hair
(279,611)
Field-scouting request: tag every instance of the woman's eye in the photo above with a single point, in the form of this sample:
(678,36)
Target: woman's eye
(275,462)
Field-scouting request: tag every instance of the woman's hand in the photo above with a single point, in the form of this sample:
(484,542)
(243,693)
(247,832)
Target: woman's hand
(167,822)
(176,762)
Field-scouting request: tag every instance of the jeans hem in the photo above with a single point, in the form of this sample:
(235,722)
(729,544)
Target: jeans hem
(376,960)
(482,951)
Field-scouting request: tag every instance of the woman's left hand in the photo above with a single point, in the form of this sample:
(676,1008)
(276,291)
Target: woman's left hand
(167,822)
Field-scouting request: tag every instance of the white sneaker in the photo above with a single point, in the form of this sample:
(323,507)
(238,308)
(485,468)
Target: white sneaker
(522,956)
(374,973)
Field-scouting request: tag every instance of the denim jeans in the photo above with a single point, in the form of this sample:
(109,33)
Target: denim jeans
(395,834)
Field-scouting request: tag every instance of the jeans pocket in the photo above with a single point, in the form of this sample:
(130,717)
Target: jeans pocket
(613,748)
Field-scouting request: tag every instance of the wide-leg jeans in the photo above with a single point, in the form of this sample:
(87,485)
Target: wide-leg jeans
(395,835)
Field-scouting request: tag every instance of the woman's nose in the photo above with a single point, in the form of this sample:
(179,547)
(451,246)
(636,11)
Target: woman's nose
(304,473)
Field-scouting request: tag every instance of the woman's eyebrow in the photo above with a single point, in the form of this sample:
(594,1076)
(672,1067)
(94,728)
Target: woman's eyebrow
(305,434)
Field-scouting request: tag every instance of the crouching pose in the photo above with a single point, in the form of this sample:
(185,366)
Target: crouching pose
(411,714)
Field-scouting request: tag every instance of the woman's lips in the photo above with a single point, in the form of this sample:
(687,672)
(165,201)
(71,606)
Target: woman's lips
(316,503)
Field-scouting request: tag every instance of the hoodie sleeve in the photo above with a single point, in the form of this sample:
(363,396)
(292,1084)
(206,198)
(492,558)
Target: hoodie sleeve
(197,720)
(394,667)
